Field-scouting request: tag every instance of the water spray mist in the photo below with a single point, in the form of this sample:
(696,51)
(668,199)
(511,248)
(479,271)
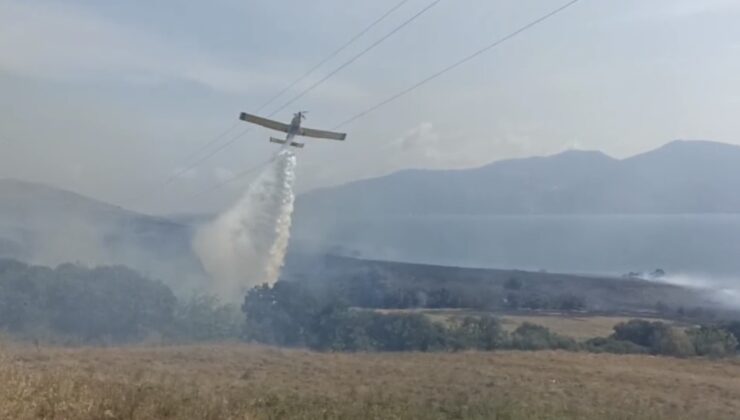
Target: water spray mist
(246,245)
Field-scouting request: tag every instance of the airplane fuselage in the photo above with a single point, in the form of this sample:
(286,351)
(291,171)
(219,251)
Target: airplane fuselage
(295,126)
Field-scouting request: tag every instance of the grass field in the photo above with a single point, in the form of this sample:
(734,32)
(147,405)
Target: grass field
(252,382)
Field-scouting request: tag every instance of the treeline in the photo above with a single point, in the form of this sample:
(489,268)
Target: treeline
(288,314)
(659,338)
(75,304)
(372,289)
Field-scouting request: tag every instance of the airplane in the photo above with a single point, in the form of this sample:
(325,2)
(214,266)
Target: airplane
(293,129)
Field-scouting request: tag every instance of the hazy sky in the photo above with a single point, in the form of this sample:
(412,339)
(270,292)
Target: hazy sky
(108,98)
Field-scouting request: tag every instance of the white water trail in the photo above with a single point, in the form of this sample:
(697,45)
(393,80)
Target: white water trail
(246,245)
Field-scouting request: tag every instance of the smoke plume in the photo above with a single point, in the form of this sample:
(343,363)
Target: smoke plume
(246,245)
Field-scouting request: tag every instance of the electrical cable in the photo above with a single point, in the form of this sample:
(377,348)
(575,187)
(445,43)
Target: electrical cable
(456,64)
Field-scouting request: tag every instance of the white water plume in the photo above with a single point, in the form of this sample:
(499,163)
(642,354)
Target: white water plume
(246,245)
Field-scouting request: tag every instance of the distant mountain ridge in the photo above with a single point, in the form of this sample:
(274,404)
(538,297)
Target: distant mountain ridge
(680,177)
(23,200)
(50,226)
(41,224)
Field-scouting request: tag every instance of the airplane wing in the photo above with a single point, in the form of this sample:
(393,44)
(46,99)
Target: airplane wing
(264,122)
(321,134)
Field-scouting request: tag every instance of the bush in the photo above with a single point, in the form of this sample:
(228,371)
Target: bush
(204,318)
(713,341)
(288,315)
(637,331)
(281,315)
(734,329)
(483,333)
(407,332)
(536,337)
(672,342)
(610,345)
(659,337)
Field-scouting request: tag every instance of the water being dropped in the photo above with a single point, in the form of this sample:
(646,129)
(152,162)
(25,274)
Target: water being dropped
(246,245)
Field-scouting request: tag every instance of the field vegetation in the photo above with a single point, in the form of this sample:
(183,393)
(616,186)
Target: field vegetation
(290,314)
(240,381)
(71,304)
(108,343)
(580,326)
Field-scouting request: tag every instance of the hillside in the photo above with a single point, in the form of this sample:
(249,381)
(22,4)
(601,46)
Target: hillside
(404,216)
(51,226)
(379,283)
(680,177)
(573,212)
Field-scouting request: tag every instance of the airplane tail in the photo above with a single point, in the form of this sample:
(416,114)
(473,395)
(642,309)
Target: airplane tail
(283,141)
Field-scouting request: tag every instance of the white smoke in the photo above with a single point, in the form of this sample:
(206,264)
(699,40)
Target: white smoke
(246,245)
(715,288)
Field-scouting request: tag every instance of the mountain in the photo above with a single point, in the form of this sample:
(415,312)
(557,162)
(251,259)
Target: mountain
(50,226)
(676,208)
(680,177)
(440,217)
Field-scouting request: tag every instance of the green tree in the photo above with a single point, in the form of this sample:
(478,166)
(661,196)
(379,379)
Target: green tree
(483,333)
(657,336)
(280,315)
(672,342)
(407,332)
(113,303)
(205,318)
(713,341)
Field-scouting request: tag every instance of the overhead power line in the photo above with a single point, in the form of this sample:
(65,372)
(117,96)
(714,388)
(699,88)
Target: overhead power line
(457,64)
(322,80)
(357,56)
(205,147)
(404,92)
(213,152)
(333,54)
(303,77)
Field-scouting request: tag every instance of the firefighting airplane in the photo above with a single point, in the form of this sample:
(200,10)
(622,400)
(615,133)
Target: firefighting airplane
(293,129)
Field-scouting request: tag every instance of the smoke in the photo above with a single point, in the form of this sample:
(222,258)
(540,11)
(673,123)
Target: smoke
(716,289)
(246,245)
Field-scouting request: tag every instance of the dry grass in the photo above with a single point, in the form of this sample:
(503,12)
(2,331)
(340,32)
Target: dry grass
(251,382)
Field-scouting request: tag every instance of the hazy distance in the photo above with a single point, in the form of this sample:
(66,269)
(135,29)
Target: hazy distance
(102,101)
